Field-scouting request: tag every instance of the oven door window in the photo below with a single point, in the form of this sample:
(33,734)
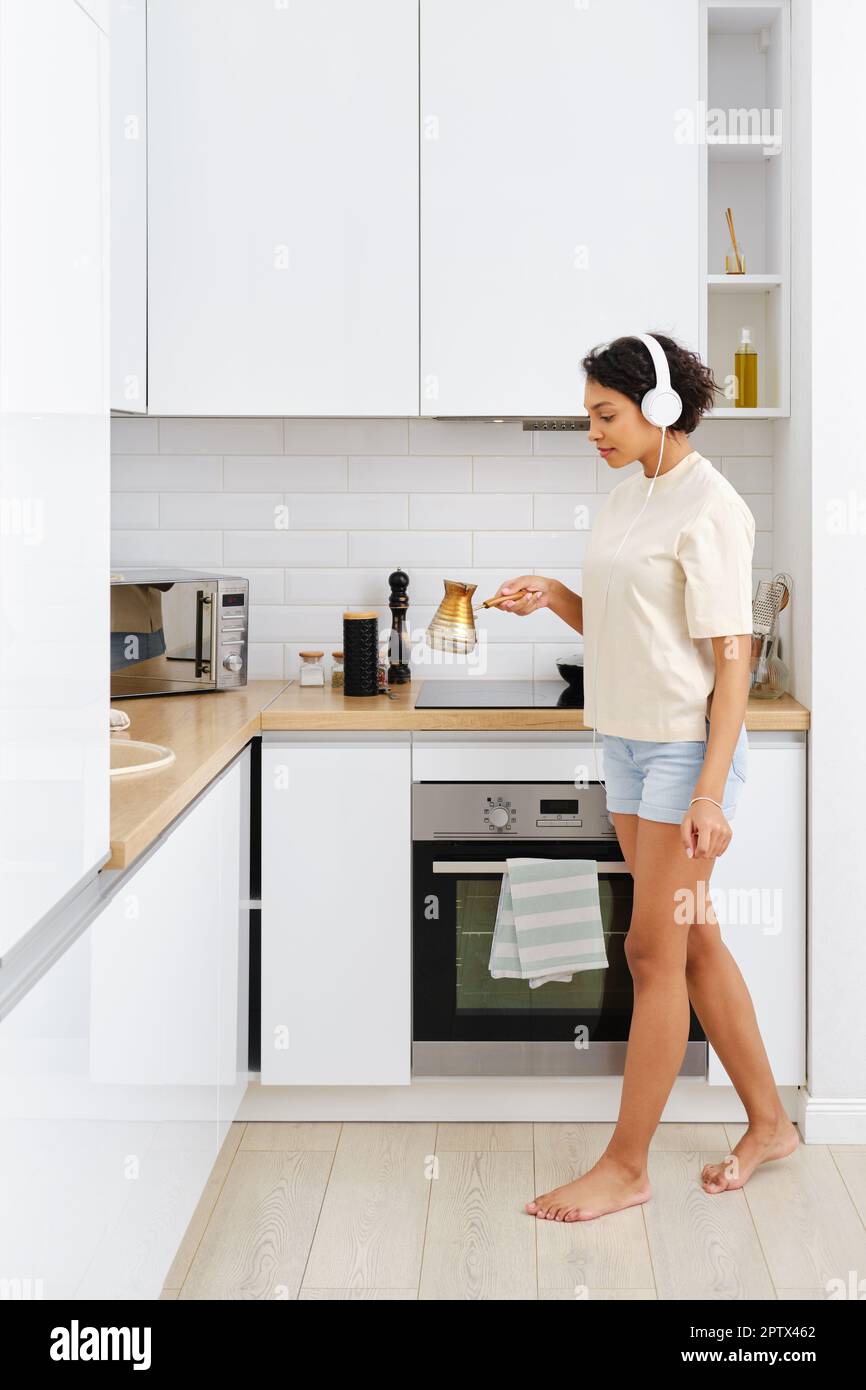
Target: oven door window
(593,991)
(455,898)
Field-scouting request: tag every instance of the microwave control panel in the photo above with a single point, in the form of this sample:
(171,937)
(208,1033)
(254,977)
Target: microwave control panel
(231,627)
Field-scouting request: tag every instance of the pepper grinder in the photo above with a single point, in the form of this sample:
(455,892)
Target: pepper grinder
(399,671)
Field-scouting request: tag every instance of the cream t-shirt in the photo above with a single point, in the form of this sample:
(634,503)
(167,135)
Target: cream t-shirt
(684,575)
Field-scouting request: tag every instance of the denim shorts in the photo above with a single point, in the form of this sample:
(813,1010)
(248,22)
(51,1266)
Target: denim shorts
(656,781)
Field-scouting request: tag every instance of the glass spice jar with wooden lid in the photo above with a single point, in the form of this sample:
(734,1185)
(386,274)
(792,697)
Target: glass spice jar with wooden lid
(337,670)
(311,670)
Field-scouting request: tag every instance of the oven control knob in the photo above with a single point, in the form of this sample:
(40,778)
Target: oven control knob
(499,817)
(232,662)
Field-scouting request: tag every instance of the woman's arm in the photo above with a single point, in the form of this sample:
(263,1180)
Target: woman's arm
(728,701)
(568,605)
(543,593)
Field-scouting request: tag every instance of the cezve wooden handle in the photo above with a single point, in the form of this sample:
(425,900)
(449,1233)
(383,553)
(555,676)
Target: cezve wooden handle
(504,598)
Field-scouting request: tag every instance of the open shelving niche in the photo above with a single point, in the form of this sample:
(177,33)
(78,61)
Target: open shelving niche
(745,69)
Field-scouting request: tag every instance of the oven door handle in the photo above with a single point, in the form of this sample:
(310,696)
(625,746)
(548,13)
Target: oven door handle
(482,866)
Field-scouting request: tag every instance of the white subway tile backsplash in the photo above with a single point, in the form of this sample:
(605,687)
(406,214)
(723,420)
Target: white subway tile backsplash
(225,511)
(761,507)
(265,662)
(345,436)
(561,510)
(721,437)
(749,474)
(408,548)
(134,511)
(343,586)
(285,548)
(521,551)
(533,475)
(184,549)
(469,511)
(369,511)
(762,557)
(607,477)
(277,473)
(286,623)
(424,474)
(316,513)
(166,473)
(189,436)
(572,579)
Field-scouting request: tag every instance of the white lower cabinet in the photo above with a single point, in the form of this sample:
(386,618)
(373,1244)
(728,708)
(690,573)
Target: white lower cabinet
(336,904)
(123,1067)
(758,890)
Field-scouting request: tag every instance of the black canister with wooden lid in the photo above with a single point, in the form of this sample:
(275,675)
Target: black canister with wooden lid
(361,653)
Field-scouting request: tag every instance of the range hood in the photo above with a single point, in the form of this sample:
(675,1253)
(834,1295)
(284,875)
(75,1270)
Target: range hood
(563,422)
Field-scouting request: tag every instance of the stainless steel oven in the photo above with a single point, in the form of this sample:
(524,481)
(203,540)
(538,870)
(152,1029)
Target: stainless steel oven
(177,632)
(464,1022)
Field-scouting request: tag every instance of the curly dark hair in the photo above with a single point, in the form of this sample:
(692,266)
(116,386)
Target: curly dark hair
(626,366)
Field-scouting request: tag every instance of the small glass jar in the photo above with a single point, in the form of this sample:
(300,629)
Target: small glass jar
(337,672)
(733,266)
(311,670)
(382,667)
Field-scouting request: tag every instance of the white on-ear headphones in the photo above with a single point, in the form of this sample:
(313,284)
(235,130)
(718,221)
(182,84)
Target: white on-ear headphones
(662,407)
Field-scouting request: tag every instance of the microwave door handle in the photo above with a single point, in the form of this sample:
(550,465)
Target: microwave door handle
(201,666)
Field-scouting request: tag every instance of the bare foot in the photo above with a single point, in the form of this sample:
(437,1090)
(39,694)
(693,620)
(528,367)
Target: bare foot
(606,1187)
(756,1146)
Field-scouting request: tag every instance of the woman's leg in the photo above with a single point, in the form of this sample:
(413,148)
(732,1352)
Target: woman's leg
(666,888)
(724,1006)
(656,947)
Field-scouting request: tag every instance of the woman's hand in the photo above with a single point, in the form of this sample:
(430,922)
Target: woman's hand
(541,592)
(705,830)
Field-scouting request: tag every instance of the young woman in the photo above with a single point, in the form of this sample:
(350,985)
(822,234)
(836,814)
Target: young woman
(675,644)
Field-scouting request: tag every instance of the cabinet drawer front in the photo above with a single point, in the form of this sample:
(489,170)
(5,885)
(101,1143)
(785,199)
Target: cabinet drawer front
(532,760)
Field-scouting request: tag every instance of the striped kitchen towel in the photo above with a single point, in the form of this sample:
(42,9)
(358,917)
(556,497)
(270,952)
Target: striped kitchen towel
(548,921)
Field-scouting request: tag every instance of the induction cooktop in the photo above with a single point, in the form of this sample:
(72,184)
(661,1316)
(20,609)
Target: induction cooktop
(497,694)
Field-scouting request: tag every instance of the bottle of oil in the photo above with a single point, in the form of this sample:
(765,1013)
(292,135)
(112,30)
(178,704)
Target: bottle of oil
(746,370)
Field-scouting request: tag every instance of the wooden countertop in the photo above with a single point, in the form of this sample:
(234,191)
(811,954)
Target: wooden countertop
(206,731)
(314,707)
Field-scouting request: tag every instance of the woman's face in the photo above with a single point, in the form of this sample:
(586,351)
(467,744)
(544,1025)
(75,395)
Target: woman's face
(617,426)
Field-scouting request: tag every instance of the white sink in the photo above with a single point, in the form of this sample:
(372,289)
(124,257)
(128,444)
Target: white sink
(130,755)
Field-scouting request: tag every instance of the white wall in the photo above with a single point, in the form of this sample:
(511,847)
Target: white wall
(837,1052)
(442,499)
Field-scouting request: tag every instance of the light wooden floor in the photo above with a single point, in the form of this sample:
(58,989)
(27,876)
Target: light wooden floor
(435,1211)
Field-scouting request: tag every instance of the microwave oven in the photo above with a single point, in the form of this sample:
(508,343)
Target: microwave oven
(177,632)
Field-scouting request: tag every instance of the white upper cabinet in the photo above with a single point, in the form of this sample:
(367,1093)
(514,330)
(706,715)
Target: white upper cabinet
(283,207)
(54,458)
(128,205)
(560,193)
